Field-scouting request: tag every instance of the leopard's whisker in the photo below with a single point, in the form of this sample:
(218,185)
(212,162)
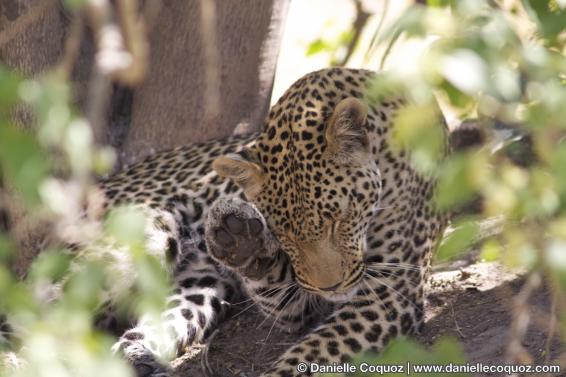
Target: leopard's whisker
(394,265)
(387,274)
(290,299)
(275,291)
(317,304)
(268,293)
(399,294)
(285,295)
(368,289)
(244,310)
(382,208)
(395,291)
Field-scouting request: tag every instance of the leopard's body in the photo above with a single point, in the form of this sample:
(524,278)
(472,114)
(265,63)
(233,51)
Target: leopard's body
(318,218)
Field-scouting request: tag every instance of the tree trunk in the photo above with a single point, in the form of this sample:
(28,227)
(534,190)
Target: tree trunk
(31,34)
(171,107)
(231,59)
(233,56)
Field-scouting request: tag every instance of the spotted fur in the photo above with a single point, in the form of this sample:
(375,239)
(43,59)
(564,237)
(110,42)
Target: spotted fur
(318,219)
(355,221)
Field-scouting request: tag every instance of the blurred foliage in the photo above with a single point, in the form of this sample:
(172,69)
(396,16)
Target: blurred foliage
(497,63)
(48,168)
(500,62)
(336,48)
(443,352)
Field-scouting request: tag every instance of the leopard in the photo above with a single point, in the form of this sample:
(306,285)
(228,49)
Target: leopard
(320,219)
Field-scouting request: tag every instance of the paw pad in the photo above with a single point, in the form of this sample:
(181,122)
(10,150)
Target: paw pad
(240,238)
(235,233)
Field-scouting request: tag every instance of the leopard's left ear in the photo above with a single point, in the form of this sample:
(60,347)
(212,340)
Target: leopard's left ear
(246,174)
(346,133)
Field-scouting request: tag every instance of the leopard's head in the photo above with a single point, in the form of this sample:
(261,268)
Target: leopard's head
(312,175)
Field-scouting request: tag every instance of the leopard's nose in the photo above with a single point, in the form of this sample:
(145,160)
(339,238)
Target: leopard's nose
(328,289)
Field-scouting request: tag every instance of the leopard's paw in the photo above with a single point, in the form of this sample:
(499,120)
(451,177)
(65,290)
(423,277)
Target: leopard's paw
(141,359)
(236,235)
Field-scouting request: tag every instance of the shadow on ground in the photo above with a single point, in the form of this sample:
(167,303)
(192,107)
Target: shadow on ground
(472,304)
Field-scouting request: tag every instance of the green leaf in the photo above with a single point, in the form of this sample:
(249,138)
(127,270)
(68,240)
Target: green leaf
(418,129)
(51,265)
(6,248)
(152,283)
(460,177)
(126,224)
(559,173)
(438,3)
(9,83)
(453,186)
(85,286)
(411,22)
(400,351)
(318,46)
(556,255)
(459,240)
(15,294)
(74,4)
(457,98)
(23,162)
(491,251)
(465,70)
(550,18)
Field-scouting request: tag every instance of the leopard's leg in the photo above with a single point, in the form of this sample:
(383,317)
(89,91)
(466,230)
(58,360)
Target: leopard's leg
(384,306)
(382,309)
(200,299)
(238,237)
(200,293)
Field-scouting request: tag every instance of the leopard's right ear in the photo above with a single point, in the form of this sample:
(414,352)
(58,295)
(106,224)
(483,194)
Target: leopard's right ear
(346,135)
(246,174)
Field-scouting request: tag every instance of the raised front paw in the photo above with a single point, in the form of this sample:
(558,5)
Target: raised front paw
(237,236)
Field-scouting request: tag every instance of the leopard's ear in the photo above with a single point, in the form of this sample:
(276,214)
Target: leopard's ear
(246,174)
(346,134)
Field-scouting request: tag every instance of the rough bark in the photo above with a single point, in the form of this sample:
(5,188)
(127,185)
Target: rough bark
(170,107)
(31,34)
(31,39)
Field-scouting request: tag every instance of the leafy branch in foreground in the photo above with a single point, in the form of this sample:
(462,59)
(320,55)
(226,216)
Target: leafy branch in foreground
(48,165)
(500,65)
